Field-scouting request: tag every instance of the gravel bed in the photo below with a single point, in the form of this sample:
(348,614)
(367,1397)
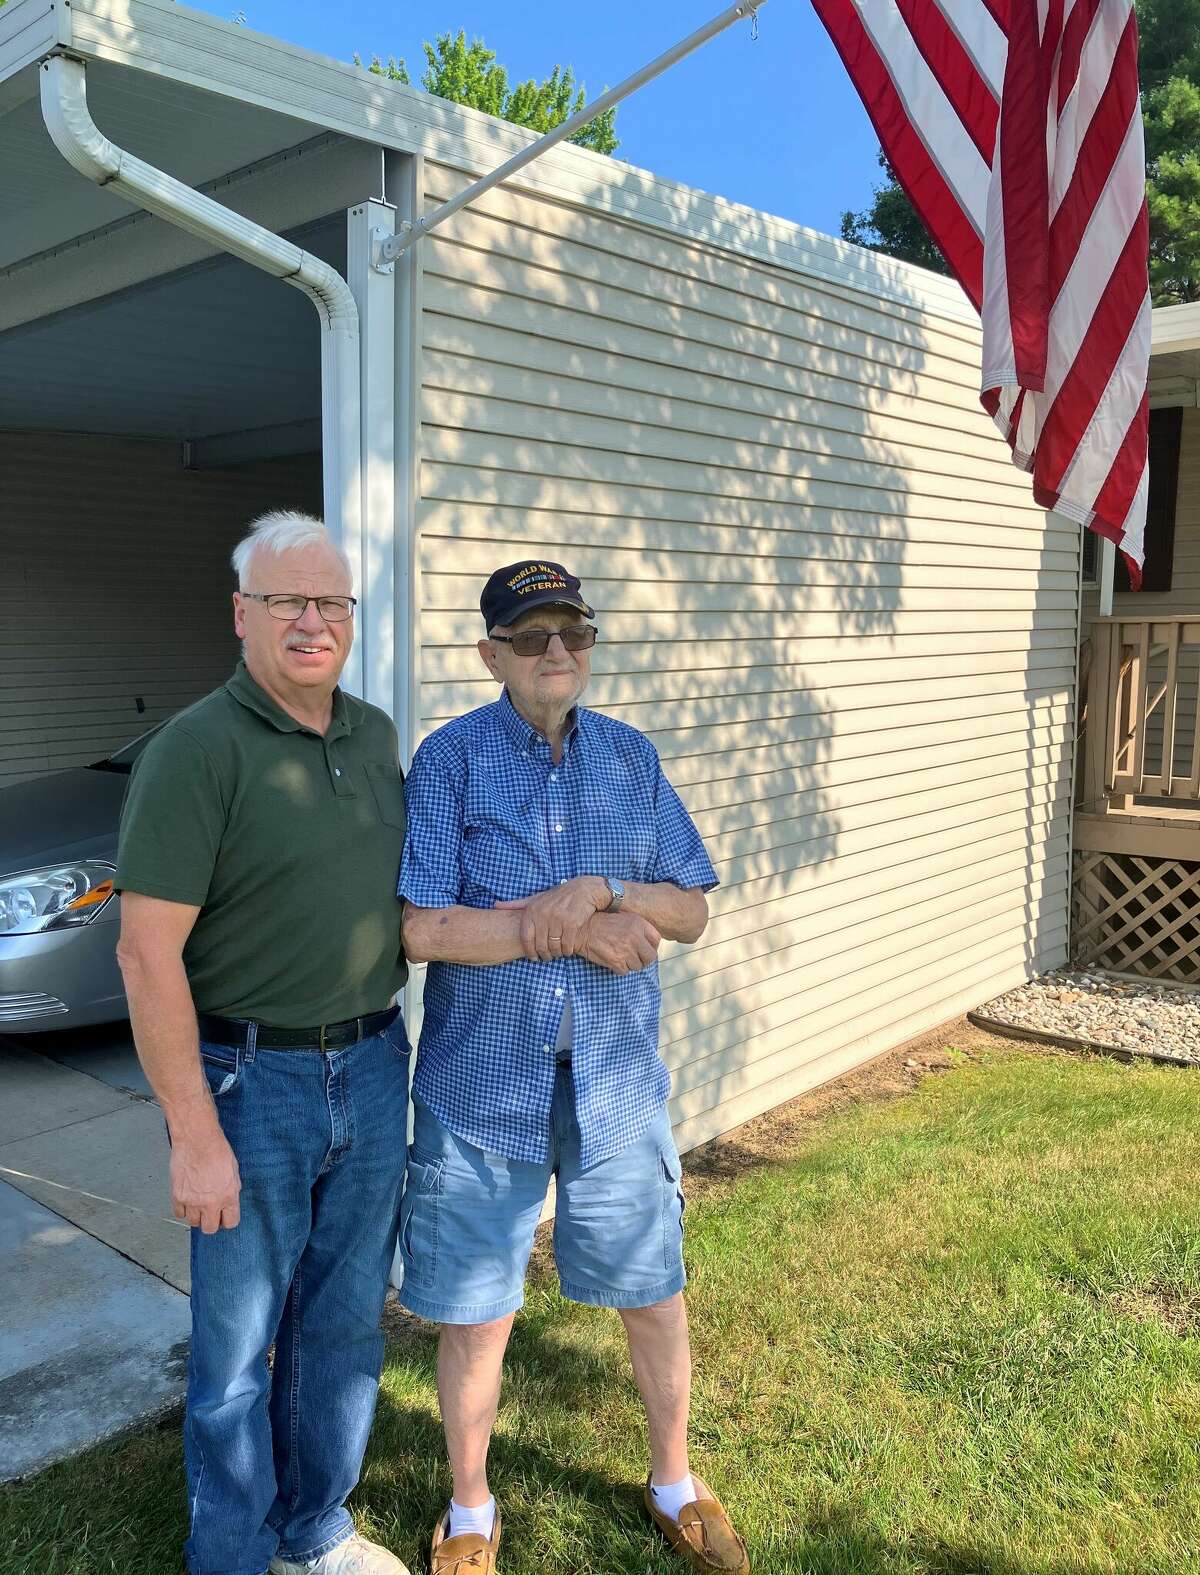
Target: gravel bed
(1092,1008)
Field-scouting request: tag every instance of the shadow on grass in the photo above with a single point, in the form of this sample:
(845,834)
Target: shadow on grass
(836,1544)
(561,1512)
(858,1555)
(564,1516)
(120,1509)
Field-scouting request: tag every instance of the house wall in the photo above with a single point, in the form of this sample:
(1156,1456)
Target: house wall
(114,585)
(822,589)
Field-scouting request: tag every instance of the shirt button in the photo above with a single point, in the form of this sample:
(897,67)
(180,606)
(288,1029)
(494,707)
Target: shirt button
(558,992)
(558,828)
(337,771)
(554,776)
(547,1049)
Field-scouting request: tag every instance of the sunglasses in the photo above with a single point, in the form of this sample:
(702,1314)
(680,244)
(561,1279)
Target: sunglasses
(536,642)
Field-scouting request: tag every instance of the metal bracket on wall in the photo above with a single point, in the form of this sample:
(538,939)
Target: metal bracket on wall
(381,260)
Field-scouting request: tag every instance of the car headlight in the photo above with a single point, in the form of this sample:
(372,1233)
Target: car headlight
(54,898)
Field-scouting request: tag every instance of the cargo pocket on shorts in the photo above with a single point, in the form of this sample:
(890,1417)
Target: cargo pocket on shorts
(419,1218)
(673,1205)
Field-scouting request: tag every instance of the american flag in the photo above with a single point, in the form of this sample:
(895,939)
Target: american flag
(1016,130)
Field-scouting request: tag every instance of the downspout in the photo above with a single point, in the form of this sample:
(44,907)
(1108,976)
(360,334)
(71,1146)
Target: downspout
(86,148)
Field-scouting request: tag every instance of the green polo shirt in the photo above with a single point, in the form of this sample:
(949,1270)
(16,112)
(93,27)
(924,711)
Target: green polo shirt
(288,842)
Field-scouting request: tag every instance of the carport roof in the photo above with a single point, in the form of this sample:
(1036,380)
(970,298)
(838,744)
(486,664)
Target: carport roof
(201,97)
(213,349)
(190,133)
(210,95)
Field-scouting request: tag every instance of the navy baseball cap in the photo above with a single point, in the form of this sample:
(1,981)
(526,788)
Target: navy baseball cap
(517,587)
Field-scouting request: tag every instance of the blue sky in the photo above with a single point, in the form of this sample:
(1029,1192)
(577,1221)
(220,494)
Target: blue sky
(773,123)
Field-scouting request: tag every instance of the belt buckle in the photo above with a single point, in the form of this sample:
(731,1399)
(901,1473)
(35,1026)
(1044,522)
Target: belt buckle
(321,1045)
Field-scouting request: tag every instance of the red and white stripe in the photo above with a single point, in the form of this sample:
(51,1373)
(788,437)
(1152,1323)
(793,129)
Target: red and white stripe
(1015,128)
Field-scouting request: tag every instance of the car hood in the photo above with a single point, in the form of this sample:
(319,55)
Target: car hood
(70,815)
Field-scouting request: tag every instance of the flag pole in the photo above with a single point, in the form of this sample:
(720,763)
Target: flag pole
(1108,573)
(390,247)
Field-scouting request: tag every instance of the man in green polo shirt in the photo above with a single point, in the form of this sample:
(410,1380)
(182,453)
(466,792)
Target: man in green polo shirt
(260,947)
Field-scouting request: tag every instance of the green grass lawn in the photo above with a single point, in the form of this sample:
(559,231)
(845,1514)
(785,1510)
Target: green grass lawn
(955,1332)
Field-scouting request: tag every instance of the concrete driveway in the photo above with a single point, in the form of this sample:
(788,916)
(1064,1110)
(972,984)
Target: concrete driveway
(94,1314)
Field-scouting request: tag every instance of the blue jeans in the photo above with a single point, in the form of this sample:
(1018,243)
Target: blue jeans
(272,1455)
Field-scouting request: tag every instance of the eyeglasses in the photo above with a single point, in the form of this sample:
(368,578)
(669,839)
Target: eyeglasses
(334,609)
(536,642)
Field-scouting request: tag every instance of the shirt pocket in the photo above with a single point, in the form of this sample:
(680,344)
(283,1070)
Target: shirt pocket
(618,833)
(387,784)
(503,845)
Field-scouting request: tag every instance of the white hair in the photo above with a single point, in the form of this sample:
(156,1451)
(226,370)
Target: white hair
(279,531)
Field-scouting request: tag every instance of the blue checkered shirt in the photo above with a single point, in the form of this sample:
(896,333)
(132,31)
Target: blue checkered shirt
(491,819)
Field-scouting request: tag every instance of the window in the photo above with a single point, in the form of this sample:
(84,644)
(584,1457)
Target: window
(1091,557)
(1166,427)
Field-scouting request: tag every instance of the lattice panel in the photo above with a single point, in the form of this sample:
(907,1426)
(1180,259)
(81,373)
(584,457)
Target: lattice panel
(1138,915)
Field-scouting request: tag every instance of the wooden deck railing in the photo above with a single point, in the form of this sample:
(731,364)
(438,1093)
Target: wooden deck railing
(1142,731)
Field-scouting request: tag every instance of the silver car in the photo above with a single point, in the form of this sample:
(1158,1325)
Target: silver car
(59,915)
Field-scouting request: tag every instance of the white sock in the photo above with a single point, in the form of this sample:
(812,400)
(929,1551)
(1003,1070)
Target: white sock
(670,1497)
(480,1520)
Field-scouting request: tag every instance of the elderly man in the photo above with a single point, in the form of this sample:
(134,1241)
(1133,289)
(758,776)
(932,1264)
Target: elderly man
(546,856)
(260,946)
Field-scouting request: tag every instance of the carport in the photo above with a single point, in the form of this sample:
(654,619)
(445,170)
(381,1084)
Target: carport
(155,394)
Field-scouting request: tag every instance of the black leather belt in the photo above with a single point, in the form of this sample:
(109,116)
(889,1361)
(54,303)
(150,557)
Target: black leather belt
(235,1031)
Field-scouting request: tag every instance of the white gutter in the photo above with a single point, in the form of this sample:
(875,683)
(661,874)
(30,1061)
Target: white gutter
(85,147)
(1175,328)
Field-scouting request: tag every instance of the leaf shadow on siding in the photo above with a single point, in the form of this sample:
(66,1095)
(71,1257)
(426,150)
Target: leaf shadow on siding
(775,489)
(970,896)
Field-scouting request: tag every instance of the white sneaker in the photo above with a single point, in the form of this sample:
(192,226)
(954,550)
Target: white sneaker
(355,1556)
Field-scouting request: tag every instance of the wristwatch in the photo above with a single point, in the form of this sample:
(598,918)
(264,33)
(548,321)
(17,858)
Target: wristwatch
(618,894)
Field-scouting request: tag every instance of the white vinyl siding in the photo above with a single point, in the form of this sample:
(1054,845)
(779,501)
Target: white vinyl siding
(822,589)
(115,585)
(29,29)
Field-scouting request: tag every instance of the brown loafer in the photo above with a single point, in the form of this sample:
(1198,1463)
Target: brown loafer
(470,1554)
(703,1534)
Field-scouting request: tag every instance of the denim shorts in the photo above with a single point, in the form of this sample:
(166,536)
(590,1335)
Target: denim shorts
(468,1218)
